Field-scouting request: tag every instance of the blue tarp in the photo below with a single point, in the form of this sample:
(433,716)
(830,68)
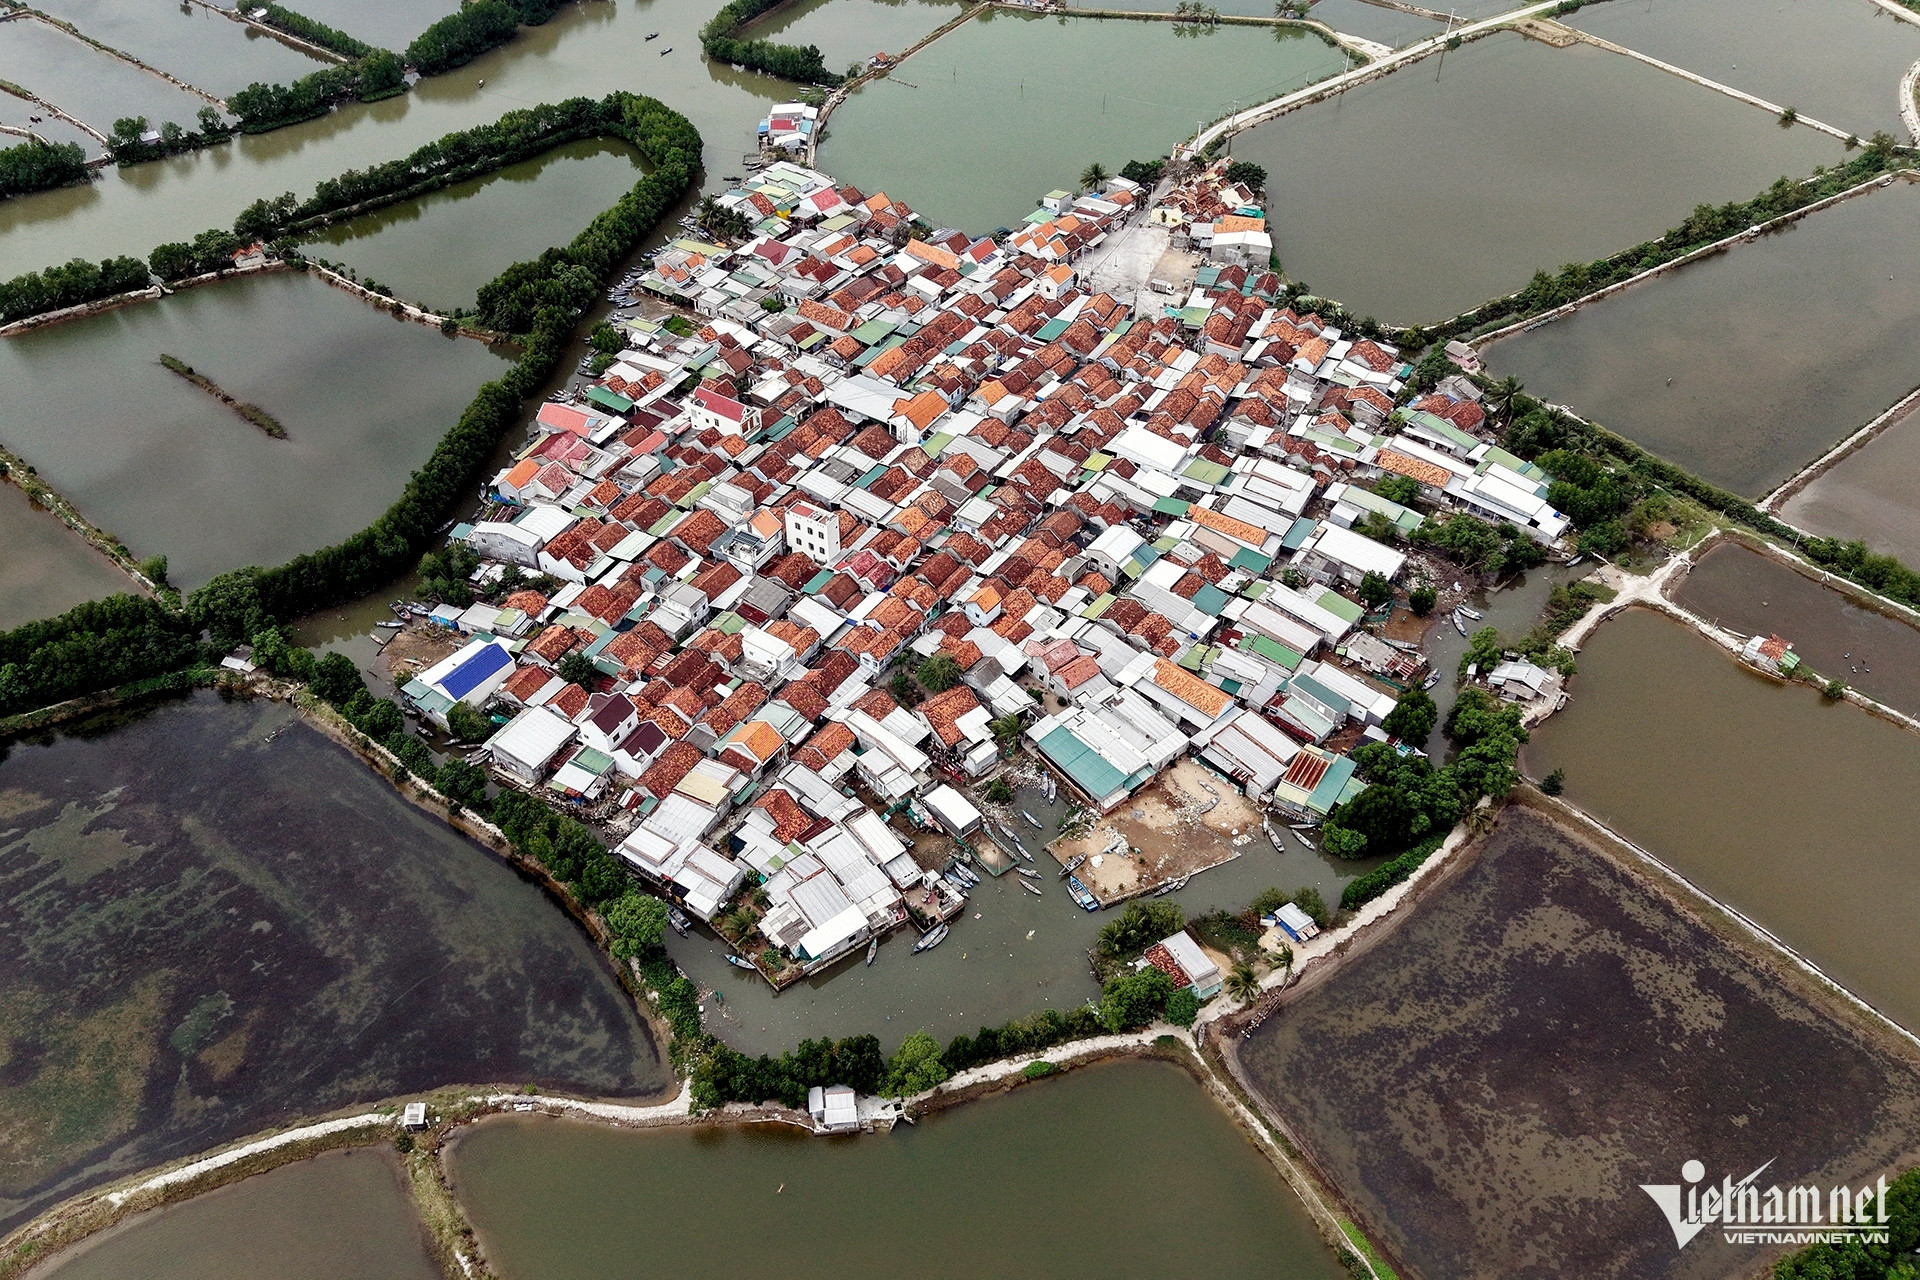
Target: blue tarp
(472,673)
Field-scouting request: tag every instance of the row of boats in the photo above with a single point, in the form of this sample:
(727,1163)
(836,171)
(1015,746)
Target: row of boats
(1461,613)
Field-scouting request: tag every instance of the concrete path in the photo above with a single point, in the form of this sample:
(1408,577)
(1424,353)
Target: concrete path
(188,1172)
(1909,108)
(1738,95)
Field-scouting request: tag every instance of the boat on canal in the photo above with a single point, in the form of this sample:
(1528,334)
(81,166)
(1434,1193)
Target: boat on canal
(1027,873)
(741,962)
(1030,887)
(1073,865)
(1037,824)
(873,949)
(934,937)
(1459,623)
(678,919)
(1081,894)
(1433,678)
(1171,886)
(1475,614)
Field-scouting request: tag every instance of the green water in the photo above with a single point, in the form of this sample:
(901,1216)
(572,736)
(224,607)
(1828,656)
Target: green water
(1716,366)
(47,568)
(207,50)
(1125,1169)
(441,248)
(341,1214)
(1799,812)
(1837,61)
(989,118)
(86,84)
(364,399)
(849,31)
(1422,194)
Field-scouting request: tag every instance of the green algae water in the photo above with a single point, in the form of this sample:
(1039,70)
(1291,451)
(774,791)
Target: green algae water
(341,1214)
(1797,811)
(214,920)
(1123,1169)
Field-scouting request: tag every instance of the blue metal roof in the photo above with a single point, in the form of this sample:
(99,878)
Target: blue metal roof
(469,675)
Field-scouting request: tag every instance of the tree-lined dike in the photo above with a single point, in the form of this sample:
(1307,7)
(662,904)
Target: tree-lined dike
(85,82)
(1003,70)
(983,1189)
(381,23)
(1489,1081)
(1834,60)
(1551,155)
(345,1213)
(850,31)
(1795,811)
(440,248)
(208,50)
(168,468)
(216,919)
(1746,365)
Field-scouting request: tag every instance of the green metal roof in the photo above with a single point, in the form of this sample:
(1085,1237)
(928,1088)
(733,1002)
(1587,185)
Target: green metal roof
(1210,600)
(1202,471)
(1080,762)
(817,581)
(1097,461)
(609,399)
(1099,606)
(1297,536)
(1341,607)
(1171,507)
(872,331)
(1250,561)
(1332,786)
(1051,330)
(1272,651)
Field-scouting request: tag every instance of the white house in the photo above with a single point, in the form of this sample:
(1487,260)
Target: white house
(529,742)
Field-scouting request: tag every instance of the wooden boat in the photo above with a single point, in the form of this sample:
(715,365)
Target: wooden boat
(1026,874)
(653,35)
(390,626)
(739,962)
(1171,886)
(935,936)
(873,949)
(1030,887)
(1433,678)
(1081,895)
(1459,624)
(1037,824)
(1073,865)
(1475,614)
(678,919)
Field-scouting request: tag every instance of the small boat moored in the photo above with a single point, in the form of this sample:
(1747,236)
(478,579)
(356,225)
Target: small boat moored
(1459,624)
(1463,610)
(678,919)
(1026,873)
(1433,678)
(935,936)
(1031,887)
(1037,824)
(740,962)
(873,949)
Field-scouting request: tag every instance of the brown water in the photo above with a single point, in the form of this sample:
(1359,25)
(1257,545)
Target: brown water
(88,85)
(170,470)
(18,113)
(1070,91)
(341,1214)
(207,50)
(1837,61)
(1841,640)
(1124,1169)
(1745,366)
(390,24)
(47,568)
(587,49)
(214,920)
(1420,195)
(441,248)
(1798,812)
(1870,495)
(850,31)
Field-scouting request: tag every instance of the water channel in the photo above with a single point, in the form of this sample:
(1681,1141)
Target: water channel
(363,397)
(1752,593)
(87,84)
(208,50)
(1745,366)
(1124,1168)
(1419,195)
(1798,812)
(1837,61)
(975,128)
(213,919)
(439,249)
(47,568)
(345,1213)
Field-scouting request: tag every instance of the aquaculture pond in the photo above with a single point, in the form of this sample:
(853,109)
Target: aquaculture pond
(1490,1081)
(1712,366)
(214,920)
(983,1189)
(345,1213)
(1797,811)
(86,84)
(47,568)
(388,24)
(587,49)
(1426,192)
(1837,61)
(1871,495)
(989,118)
(851,31)
(193,42)
(439,249)
(172,471)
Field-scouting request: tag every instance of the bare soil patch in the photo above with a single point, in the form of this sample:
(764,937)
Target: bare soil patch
(1489,1084)
(1185,822)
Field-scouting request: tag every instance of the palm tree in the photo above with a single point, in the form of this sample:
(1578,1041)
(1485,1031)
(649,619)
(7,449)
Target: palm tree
(1213,15)
(1242,985)
(1502,394)
(1093,177)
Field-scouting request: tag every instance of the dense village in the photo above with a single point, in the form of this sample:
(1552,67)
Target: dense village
(869,512)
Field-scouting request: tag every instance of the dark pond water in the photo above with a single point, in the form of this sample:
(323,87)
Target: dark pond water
(47,568)
(213,919)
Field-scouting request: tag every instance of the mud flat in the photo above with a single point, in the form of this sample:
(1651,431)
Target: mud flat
(213,919)
(1489,1083)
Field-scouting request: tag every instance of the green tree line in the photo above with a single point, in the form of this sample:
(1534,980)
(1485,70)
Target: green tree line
(788,61)
(1853,1259)
(470,31)
(68,286)
(36,166)
(262,107)
(299,24)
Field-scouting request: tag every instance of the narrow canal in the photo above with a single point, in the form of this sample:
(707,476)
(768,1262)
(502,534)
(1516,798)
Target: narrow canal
(1122,1169)
(345,1213)
(1798,812)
